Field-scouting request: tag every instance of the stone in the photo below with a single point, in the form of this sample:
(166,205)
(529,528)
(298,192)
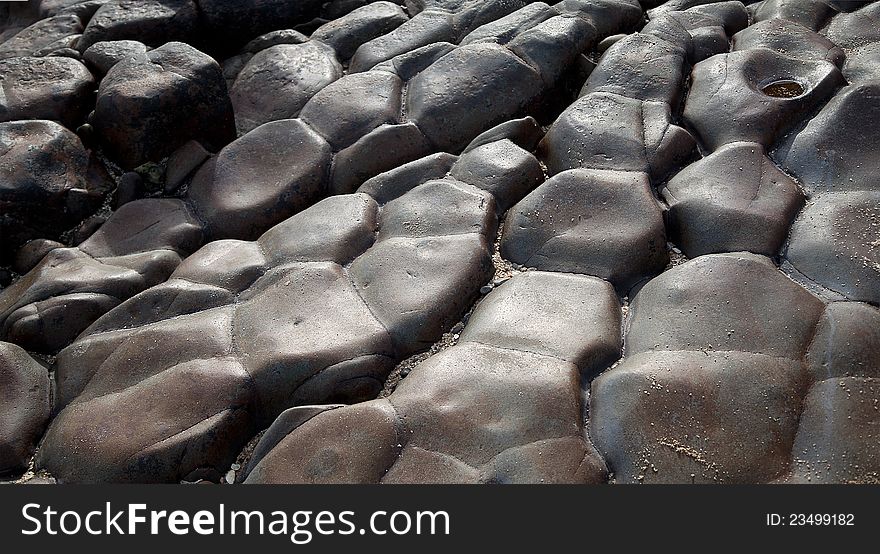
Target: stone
(788,39)
(182,163)
(152,22)
(48,182)
(40,36)
(102,56)
(25,407)
(863,64)
(351,107)
(53,88)
(501,168)
(734,200)
(229,20)
(729,100)
(474,413)
(278,81)
(595,222)
(834,244)
(392,184)
(239,195)
(439,97)
(608,131)
(812,14)
(834,152)
(361,25)
(181,89)
(858,28)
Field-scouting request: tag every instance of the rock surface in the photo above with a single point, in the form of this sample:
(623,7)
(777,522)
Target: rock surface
(440,241)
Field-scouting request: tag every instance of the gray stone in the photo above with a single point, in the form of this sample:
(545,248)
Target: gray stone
(239,195)
(24,407)
(102,56)
(595,222)
(278,81)
(53,88)
(736,199)
(152,22)
(789,39)
(361,25)
(183,92)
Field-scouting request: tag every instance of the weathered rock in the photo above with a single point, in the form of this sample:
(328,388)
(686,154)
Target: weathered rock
(788,39)
(608,131)
(278,81)
(102,56)
(260,179)
(361,25)
(732,96)
(53,88)
(863,64)
(41,36)
(641,67)
(24,407)
(858,28)
(48,182)
(834,152)
(734,200)
(181,90)
(812,14)
(501,168)
(489,409)
(596,222)
(835,241)
(152,22)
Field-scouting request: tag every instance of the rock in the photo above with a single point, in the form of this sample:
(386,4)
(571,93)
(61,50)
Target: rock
(181,89)
(152,22)
(239,195)
(834,243)
(595,222)
(53,88)
(524,133)
(350,108)
(732,99)
(501,168)
(361,25)
(25,407)
(851,30)
(812,14)
(182,163)
(833,152)
(49,182)
(102,56)
(41,36)
(608,131)
(788,39)
(274,38)
(278,81)
(424,28)
(387,186)
(29,255)
(863,64)
(129,189)
(736,199)
(623,70)
(439,97)
(474,413)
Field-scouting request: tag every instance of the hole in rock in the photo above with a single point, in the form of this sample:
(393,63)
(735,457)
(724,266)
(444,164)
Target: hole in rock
(783,89)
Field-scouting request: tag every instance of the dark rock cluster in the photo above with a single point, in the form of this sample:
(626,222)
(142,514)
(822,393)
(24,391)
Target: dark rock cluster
(440,241)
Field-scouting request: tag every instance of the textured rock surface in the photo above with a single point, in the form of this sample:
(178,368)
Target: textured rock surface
(24,410)
(431,241)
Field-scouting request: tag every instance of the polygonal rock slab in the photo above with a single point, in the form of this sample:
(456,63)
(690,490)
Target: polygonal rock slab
(278,81)
(727,104)
(837,149)
(608,131)
(151,105)
(851,30)
(345,34)
(152,22)
(48,182)
(24,407)
(501,406)
(602,223)
(836,243)
(790,39)
(52,88)
(260,179)
(736,199)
